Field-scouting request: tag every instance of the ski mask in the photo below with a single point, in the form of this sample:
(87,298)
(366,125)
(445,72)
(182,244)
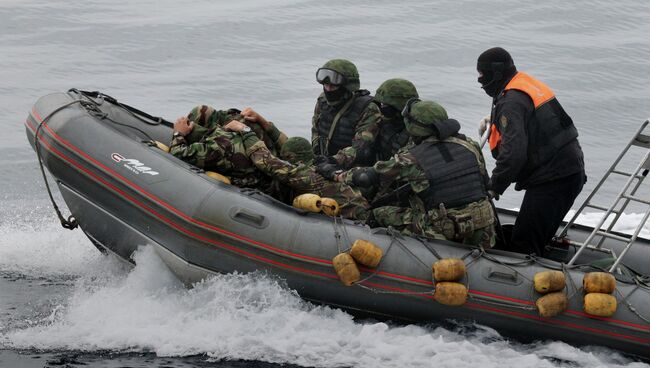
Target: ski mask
(336,96)
(496,68)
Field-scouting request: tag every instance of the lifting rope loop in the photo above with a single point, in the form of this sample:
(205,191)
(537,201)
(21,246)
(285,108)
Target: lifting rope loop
(70,223)
(93,109)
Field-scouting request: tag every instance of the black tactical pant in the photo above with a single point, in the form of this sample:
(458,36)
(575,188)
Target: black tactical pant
(542,211)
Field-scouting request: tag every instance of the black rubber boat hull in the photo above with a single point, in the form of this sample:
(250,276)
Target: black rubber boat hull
(126,193)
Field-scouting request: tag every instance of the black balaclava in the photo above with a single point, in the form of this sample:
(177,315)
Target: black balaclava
(336,96)
(497,67)
(389,111)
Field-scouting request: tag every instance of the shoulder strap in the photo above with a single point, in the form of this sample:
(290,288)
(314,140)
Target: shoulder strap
(335,122)
(472,147)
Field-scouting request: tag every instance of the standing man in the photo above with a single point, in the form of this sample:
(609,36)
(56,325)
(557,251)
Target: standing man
(345,121)
(535,146)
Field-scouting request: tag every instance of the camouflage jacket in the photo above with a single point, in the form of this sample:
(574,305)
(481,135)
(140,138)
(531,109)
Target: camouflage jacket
(366,132)
(304,179)
(206,118)
(392,137)
(220,151)
(401,169)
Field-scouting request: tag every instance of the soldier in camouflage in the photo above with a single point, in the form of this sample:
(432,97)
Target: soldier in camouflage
(345,121)
(298,173)
(445,177)
(392,96)
(200,139)
(235,150)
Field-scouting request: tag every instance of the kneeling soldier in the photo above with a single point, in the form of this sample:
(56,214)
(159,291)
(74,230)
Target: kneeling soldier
(445,179)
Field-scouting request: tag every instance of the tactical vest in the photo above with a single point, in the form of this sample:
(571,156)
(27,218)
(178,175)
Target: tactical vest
(455,170)
(345,127)
(392,137)
(550,128)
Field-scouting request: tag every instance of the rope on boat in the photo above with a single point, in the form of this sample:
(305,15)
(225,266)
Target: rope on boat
(394,240)
(395,235)
(337,235)
(130,109)
(567,275)
(70,223)
(376,269)
(426,244)
(378,291)
(92,107)
(630,306)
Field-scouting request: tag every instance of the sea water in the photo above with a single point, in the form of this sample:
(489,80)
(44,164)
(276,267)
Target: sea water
(62,302)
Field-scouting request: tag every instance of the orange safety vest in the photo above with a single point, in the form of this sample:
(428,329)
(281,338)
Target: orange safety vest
(539,92)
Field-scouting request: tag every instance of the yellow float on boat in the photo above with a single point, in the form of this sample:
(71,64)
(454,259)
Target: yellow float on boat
(549,281)
(449,269)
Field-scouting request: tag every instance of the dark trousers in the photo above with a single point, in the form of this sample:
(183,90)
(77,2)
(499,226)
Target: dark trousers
(542,211)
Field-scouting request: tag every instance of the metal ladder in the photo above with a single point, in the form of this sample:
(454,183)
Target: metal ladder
(639,174)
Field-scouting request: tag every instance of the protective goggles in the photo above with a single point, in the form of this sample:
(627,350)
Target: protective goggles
(406,113)
(329,76)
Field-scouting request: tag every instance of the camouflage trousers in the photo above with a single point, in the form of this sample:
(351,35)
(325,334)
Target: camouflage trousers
(472,224)
(352,204)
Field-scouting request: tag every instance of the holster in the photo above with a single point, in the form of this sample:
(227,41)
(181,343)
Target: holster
(456,224)
(463,225)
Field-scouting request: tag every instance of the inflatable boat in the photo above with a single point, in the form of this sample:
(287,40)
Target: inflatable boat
(124,192)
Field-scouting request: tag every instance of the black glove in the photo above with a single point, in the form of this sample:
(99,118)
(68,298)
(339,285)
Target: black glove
(365,177)
(327,170)
(493,195)
(371,221)
(322,159)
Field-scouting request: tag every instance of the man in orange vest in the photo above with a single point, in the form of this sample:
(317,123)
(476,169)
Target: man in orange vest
(535,146)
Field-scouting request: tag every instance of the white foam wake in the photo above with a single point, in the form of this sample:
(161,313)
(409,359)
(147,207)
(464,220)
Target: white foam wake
(253,317)
(47,250)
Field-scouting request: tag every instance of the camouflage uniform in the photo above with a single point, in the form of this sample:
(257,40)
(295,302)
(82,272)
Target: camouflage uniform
(211,148)
(472,223)
(207,118)
(392,96)
(361,126)
(220,151)
(302,178)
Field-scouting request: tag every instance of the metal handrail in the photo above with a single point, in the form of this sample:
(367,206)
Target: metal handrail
(611,209)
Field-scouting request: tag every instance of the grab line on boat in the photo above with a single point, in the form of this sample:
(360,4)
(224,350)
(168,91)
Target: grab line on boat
(329,276)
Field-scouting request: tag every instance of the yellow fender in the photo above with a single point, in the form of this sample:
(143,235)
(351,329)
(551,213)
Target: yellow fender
(552,304)
(217,176)
(366,253)
(329,206)
(346,269)
(448,269)
(308,202)
(161,146)
(549,281)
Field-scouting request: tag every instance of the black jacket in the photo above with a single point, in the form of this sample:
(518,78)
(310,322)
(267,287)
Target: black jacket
(512,112)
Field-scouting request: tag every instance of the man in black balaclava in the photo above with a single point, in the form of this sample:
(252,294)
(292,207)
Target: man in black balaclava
(535,146)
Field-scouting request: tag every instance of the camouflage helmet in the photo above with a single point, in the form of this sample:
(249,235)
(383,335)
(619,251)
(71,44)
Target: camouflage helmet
(347,69)
(420,117)
(296,150)
(395,92)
